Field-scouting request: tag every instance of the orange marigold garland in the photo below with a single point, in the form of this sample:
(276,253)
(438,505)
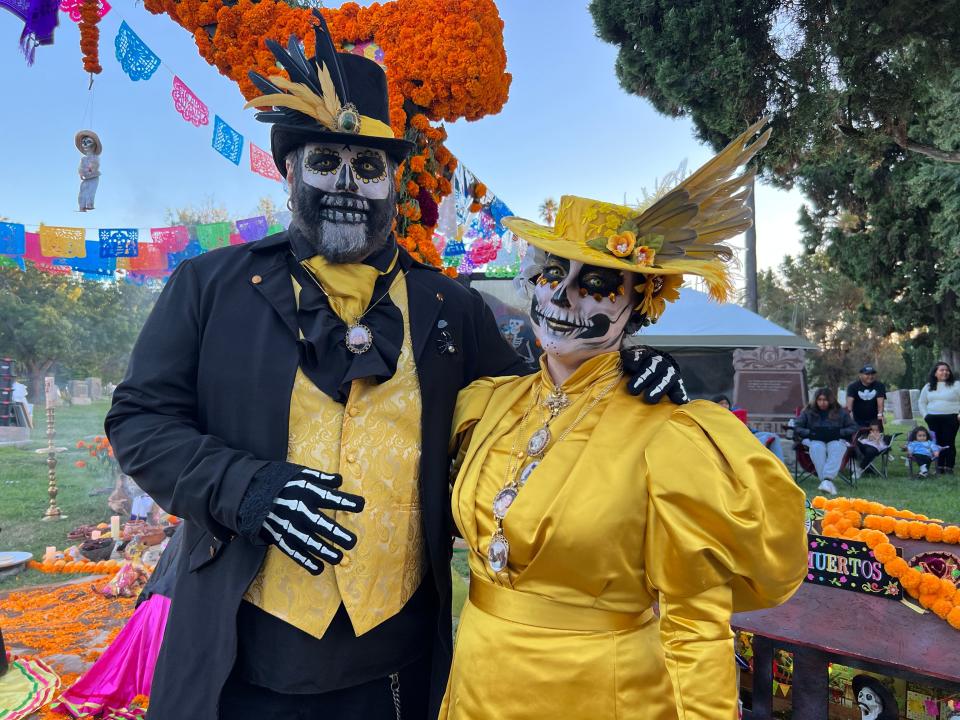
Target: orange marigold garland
(444,60)
(90,36)
(872,522)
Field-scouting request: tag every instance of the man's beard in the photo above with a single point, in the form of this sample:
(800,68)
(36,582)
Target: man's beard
(342,227)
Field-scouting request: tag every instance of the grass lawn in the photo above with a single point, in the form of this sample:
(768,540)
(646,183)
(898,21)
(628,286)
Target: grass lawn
(82,494)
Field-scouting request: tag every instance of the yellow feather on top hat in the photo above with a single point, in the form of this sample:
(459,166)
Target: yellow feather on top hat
(680,233)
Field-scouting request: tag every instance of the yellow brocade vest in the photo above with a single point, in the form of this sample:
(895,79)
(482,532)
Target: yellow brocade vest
(374,443)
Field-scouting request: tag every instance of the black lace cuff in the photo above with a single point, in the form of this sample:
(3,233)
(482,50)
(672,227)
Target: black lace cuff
(257,501)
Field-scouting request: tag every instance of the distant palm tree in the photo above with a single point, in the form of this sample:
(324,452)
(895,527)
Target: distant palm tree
(548,210)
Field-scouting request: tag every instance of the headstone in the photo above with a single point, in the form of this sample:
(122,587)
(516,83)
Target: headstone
(769,383)
(915,403)
(79,392)
(95,388)
(899,402)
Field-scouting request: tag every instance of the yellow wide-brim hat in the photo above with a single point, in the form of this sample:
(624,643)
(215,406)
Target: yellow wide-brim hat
(679,233)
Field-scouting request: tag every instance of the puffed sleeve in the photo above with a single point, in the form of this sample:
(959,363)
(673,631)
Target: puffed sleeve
(723,510)
(472,401)
(725,533)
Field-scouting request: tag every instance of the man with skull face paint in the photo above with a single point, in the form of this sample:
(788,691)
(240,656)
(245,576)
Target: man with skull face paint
(291,400)
(582,508)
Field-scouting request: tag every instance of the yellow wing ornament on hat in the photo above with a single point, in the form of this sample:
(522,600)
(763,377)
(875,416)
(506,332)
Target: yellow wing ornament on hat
(679,233)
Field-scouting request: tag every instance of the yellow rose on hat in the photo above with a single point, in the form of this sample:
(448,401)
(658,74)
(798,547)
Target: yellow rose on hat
(621,244)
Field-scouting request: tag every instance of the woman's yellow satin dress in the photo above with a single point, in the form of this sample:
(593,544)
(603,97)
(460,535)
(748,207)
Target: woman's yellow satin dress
(678,505)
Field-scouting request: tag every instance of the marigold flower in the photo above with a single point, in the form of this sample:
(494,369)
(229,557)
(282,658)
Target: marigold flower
(954,618)
(885,552)
(918,530)
(853,516)
(942,608)
(887,525)
(934,533)
(951,534)
(911,579)
(621,244)
(80,464)
(852,534)
(897,568)
(947,589)
(929,584)
(818,502)
(81,444)
(902,529)
(479,190)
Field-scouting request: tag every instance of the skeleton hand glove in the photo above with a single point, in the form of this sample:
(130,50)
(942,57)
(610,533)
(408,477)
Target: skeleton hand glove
(303,533)
(655,374)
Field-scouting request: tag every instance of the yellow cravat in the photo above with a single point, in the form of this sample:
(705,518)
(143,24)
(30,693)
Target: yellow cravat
(348,286)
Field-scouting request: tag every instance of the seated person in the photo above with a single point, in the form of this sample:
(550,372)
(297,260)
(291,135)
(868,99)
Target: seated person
(771,441)
(824,428)
(922,449)
(869,446)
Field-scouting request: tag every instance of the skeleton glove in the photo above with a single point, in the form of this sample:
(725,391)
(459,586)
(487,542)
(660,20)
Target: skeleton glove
(303,533)
(654,374)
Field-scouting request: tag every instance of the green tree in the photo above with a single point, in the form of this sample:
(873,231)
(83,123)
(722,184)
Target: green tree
(863,98)
(811,298)
(88,326)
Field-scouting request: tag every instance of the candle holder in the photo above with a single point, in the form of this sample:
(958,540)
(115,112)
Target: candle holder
(53,511)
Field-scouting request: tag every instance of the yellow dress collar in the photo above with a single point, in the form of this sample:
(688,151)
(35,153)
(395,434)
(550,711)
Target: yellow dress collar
(589,372)
(349,286)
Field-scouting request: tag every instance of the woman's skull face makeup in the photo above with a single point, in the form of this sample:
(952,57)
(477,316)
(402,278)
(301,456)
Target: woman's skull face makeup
(578,310)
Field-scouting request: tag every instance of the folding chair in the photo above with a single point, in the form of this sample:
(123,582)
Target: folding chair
(803,467)
(877,465)
(912,471)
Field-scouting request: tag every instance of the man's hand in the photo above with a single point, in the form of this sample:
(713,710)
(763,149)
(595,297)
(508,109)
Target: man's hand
(655,374)
(303,533)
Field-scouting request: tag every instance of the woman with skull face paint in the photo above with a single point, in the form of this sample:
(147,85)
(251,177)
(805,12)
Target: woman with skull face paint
(583,508)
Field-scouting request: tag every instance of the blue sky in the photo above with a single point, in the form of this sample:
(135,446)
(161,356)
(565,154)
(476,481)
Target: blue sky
(547,141)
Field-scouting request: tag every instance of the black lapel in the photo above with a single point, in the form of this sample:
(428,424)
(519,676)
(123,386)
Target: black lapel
(274,284)
(425,305)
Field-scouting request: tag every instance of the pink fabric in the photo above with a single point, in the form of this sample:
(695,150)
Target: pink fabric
(125,669)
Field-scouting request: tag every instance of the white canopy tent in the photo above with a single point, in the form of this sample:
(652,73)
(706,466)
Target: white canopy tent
(696,321)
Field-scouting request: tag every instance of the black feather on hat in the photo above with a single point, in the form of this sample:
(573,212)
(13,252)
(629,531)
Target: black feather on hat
(336,97)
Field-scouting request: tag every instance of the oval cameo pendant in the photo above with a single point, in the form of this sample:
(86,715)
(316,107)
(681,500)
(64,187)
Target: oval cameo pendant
(498,553)
(502,502)
(359,338)
(538,442)
(525,473)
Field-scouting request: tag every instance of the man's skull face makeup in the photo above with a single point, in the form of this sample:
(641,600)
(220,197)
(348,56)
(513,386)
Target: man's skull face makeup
(870,705)
(578,310)
(343,198)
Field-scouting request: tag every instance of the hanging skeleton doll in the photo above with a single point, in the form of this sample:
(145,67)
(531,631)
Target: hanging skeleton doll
(89,146)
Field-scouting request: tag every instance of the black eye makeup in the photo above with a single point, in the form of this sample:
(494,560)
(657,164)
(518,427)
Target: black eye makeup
(601,281)
(554,271)
(369,167)
(323,161)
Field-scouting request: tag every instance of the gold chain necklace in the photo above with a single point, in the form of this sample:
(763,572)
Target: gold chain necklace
(498,553)
(359,337)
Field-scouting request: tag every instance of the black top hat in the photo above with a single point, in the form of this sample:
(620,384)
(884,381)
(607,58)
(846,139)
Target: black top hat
(335,97)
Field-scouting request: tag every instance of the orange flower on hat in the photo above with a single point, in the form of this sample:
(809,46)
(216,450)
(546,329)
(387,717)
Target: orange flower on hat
(643,255)
(622,244)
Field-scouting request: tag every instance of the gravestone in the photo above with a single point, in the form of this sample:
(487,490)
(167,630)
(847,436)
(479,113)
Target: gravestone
(915,403)
(79,392)
(769,383)
(899,402)
(95,388)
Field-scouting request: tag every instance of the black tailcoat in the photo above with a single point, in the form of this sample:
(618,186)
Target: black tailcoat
(205,404)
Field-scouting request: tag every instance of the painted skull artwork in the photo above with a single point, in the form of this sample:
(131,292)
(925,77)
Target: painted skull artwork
(875,701)
(90,147)
(343,198)
(579,310)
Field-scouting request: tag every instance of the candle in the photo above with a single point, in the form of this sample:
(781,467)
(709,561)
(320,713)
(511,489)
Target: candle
(115,527)
(95,535)
(50,391)
(51,551)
